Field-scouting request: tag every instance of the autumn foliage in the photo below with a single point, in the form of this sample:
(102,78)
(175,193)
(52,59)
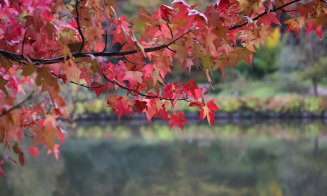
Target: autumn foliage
(44,44)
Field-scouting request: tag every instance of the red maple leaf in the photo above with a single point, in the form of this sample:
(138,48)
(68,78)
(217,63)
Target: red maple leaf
(164,12)
(207,110)
(177,119)
(98,88)
(133,77)
(268,19)
(221,4)
(120,104)
(312,26)
(295,24)
(33,151)
(55,151)
(192,90)
(140,105)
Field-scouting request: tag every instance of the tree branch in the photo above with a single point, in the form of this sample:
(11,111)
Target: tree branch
(17,105)
(73,82)
(37,61)
(79,28)
(120,86)
(264,13)
(140,93)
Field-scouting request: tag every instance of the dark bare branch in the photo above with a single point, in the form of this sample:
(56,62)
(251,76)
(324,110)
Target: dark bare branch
(37,61)
(73,82)
(79,27)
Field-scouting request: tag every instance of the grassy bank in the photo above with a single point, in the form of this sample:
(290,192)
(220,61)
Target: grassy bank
(284,106)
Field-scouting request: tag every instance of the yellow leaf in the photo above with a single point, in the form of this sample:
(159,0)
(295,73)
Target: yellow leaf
(273,39)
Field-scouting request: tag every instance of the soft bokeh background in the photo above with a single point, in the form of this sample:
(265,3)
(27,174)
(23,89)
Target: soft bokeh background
(270,137)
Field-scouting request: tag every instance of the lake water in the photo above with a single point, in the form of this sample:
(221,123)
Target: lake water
(133,158)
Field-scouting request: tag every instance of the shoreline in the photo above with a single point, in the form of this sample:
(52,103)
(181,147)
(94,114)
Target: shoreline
(223,116)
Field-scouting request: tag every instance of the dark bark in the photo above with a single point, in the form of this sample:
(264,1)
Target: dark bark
(315,86)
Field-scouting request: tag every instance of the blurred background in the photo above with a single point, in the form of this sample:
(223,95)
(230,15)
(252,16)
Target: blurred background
(270,135)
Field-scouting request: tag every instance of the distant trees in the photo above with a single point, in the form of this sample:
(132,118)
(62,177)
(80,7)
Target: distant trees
(311,56)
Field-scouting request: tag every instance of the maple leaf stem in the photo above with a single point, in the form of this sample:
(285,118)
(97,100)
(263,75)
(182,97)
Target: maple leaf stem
(171,49)
(18,105)
(264,13)
(79,28)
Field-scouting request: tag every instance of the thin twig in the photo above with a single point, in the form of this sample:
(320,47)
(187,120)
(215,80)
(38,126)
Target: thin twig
(262,14)
(140,93)
(122,87)
(170,30)
(171,49)
(73,82)
(17,105)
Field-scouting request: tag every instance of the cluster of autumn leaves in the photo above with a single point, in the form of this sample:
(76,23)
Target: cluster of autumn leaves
(88,43)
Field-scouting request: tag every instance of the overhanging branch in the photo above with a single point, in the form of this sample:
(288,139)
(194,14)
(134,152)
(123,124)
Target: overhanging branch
(38,61)
(19,58)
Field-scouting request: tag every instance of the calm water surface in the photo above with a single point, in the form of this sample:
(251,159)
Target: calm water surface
(131,158)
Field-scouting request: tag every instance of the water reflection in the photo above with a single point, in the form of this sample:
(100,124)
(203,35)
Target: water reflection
(244,159)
